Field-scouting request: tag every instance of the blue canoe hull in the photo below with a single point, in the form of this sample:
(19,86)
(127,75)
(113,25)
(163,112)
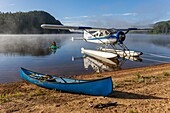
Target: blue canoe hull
(97,87)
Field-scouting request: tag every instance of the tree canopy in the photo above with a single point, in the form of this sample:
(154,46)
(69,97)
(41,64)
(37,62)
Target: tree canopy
(161,28)
(27,23)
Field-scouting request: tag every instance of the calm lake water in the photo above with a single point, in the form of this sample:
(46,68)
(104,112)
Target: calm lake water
(31,52)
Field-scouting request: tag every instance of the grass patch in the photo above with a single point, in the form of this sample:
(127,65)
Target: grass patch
(166,74)
(115,84)
(30,95)
(18,94)
(131,111)
(141,79)
(40,92)
(99,75)
(137,75)
(4,98)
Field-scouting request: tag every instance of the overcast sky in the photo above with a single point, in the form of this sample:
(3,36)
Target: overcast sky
(98,13)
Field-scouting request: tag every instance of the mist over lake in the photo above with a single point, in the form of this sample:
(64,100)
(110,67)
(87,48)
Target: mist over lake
(32,52)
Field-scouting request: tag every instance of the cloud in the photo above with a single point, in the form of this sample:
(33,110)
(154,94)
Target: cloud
(75,23)
(103,15)
(12,4)
(76,17)
(129,14)
(168,13)
(109,20)
(100,21)
(107,15)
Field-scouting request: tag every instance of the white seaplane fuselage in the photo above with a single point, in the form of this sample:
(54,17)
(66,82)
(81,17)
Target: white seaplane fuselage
(100,37)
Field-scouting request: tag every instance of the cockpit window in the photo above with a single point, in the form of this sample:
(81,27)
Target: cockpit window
(106,32)
(101,34)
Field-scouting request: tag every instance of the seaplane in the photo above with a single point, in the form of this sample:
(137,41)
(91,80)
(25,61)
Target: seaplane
(110,40)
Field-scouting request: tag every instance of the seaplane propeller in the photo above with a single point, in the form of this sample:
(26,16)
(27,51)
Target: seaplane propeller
(120,36)
(106,36)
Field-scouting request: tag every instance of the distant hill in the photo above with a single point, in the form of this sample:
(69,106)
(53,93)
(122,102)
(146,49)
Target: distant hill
(161,28)
(27,23)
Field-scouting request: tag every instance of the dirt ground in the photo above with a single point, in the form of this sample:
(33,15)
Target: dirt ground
(138,90)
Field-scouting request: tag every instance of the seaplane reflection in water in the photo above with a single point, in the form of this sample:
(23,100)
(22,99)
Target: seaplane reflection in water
(110,40)
(100,64)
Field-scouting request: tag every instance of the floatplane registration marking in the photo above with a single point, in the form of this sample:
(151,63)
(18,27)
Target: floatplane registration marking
(110,38)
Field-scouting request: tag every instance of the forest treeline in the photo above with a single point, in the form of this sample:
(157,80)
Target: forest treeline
(161,28)
(27,23)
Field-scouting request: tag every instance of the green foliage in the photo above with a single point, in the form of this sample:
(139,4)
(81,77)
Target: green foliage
(131,111)
(18,94)
(40,92)
(27,23)
(161,27)
(4,98)
(115,84)
(99,75)
(30,95)
(137,75)
(140,78)
(166,74)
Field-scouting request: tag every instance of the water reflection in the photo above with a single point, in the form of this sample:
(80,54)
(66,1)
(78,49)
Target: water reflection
(164,42)
(27,45)
(157,40)
(100,64)
(23,50)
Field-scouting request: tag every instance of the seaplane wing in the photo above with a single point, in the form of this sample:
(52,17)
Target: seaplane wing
(52,26)
(130,29)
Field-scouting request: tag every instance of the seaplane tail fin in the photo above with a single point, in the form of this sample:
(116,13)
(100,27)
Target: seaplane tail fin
(87,35)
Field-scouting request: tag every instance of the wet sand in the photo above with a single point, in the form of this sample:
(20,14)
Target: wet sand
(138,90)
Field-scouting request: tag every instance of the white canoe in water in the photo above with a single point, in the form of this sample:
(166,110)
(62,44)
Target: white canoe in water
(122,53)
(95,53)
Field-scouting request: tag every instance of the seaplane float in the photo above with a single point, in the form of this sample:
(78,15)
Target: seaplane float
(110,40)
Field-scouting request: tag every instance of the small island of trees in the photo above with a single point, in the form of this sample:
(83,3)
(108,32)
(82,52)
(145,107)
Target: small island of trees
(27,23)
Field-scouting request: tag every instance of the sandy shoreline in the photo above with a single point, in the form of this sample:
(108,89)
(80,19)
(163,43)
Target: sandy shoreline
(137,90)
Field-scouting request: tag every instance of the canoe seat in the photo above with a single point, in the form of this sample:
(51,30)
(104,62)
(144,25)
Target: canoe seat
(48,78)
(51,80)
(63,80)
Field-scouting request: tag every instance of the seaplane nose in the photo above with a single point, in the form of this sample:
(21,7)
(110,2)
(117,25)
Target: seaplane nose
(120,36)
(141,53)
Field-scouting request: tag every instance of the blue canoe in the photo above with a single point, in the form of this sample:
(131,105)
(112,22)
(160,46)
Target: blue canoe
(97,87)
